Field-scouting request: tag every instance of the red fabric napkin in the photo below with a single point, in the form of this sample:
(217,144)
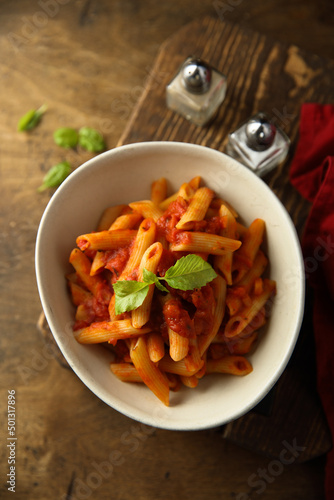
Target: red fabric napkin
(312,174)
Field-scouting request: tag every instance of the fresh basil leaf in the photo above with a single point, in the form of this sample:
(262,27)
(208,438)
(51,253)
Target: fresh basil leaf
(190,272)
(66,137)
(31,119)
(56,175)
(151,278)
(91,139)
(129,295)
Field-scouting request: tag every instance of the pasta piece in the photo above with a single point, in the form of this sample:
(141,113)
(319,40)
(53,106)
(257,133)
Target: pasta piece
(204,242)
(106,240)
(109,215)
(235,365)
(191,381)
(223,263)
(98,263)
(149,261)
(259,265)
(217,202)
(219,288)
(148,371)
(251,241)
(166,364)
(236,295)
(159,190)
(79,295)
(174,382)
(186,192)
(244,345)
(193,360)
(82,314)
(94,284)
(197,208)
(108,331)
(155,347)
(147,209)
(126,221)
(241,230)
(237,323)
(144,238)
(126,372)
(195,182)
(178,345)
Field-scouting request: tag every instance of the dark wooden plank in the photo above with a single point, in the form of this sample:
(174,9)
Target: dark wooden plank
(263,75)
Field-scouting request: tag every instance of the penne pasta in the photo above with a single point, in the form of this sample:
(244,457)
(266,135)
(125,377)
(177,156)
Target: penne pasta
(144,238)
(197,208)
(155,347)
(126,372)
(109,215)
(147,209)
(251,241)
(219,288)
(167,364)
(186,192)
(195,182)
(106,240)
(94,284)
(191,381)
(223,263)
(79,295)
(159,190)
(148,371)
(108,331)
(204,242)
(149,261)
(237,323)
(193,361)
(126,221)
(181,317)
(178,345)
(234,365)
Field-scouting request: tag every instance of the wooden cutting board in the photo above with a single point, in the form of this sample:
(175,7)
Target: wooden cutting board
(263,75)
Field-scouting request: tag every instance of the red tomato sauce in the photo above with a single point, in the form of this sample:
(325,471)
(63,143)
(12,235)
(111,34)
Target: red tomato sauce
(178,319)
(115,261)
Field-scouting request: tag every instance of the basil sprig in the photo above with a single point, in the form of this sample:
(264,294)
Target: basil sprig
(189,272)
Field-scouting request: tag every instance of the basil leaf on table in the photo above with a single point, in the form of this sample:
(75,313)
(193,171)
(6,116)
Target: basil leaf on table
(91,139)
(31,119)
(56,175)
(66,137)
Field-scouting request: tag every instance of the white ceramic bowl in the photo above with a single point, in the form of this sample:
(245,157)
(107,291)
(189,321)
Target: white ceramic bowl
(122,175)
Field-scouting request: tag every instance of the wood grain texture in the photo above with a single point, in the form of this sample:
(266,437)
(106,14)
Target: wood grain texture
(263,75)
(90,62)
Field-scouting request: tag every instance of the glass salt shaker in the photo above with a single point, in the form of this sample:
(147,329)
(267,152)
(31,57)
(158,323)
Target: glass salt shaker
(259,144)
(196,91)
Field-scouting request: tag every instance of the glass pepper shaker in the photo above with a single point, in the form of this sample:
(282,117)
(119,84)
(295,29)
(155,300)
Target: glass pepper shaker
(196,91)
(259,144)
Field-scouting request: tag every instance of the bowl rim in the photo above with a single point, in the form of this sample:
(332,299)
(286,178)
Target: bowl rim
(116,404)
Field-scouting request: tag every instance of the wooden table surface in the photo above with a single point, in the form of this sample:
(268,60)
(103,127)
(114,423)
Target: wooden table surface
(89,62)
